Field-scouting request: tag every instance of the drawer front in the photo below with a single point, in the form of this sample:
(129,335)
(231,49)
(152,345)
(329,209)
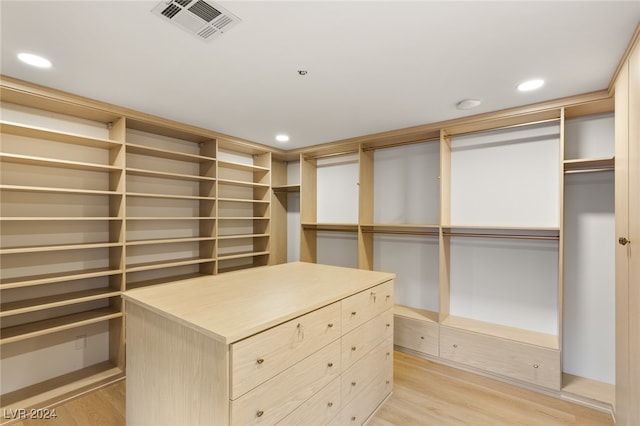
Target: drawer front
(365,372)
(321,409)
(276,398)
(416,335)
(260,357)
(366,402)
(361,340)
(361,307)
(532,364)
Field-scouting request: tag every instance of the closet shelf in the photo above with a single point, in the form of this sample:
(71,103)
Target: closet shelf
(23,188)
(62,247)
(167,154)
(50,162)
(510,333)
(166,175)
(168,196)
(415,313)
(53,325)
(532,233)
(241,166)
(286,188)
(243,218)
(243,200)
(241,236)
(147,266)
(168,241)
(344,227)
(588,388)
(55,136)
(59,218)
(242,255)
(242,183)
(145,218)
(409,229)
(55,301)
(27,281)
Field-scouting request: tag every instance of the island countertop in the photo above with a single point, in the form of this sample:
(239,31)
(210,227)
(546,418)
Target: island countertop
(235,305)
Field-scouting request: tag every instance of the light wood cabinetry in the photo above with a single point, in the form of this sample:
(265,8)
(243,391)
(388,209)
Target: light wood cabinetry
(327,351)
(97,200)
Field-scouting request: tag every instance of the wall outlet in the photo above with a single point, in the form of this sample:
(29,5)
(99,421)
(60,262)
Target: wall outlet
(81,342)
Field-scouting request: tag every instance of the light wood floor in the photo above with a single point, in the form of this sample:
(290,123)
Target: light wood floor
(425,393)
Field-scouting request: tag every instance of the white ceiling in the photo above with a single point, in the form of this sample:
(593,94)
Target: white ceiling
(372,66)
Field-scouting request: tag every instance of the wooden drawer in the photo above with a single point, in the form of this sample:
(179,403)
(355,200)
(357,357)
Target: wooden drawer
(533,364)
(321,409)
(365,403)
(421,336)
(365,372)
(361,340)
(276,398)
(361,307)
(264,355)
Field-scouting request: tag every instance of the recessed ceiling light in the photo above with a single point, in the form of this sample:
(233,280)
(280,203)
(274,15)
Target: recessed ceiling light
(468,103)
(282,138)
(529,85)
(34,60)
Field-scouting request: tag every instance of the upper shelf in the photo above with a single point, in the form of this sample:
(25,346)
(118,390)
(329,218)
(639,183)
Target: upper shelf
(168,154)
(286,188)
(49,162)
(241,166)
(41,133)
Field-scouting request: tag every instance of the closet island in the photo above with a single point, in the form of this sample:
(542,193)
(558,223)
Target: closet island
(287,344)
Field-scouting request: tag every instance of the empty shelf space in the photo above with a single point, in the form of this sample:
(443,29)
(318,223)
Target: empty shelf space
(511,333)
(168,241)
(51,162)
(163,280)
(167,154)
(55,136)
(62,386)
(241,166)
(59,277)
(242,200)
(41,328)
(62,247)
(415,313)
(167,175)
(48,302)
(242,255)
(588,388)
(166,264)
(170,218)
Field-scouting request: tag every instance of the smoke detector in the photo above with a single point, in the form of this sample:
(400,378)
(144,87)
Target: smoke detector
(204,19)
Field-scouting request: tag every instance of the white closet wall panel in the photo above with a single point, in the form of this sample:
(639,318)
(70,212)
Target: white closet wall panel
(414,260)
(337,249)
(337,190)
(589,274)
(589,137)
(293,227)
(507,178)
(507,282)
(406,184)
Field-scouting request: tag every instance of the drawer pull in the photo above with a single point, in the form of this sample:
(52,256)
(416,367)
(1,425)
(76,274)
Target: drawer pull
(388,325)
(353,312)
(353,418)
(259,360)
(388,353)
(353,348)
(330,364)
(353,383)
(259,413)
(330,404)
(421,337)
(330,325)
(535,365)
(455,345)
(388,381)
(300,330)
(388,297)
(373,294)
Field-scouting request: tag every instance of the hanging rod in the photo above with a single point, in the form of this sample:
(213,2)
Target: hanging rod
(592,170)
(506,127)
(508,236)
(398,144)
(332,154)
(426,233)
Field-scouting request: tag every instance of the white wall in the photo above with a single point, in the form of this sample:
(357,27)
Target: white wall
(337,189)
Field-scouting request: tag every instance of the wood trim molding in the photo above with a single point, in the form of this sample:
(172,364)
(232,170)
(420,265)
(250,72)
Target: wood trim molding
(635,39)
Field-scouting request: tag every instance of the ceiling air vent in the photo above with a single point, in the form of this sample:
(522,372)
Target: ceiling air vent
(204,19)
